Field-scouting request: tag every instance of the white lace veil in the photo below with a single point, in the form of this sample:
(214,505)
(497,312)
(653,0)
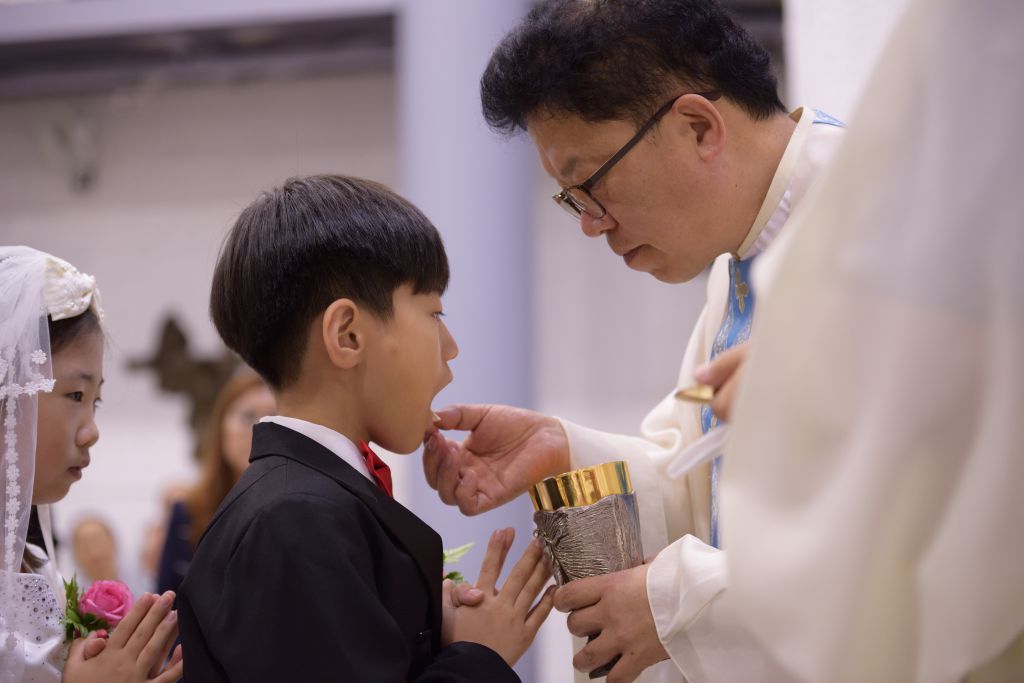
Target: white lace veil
(33,285)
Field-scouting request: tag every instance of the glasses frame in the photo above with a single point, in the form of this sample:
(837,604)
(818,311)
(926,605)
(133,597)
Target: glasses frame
(573,206)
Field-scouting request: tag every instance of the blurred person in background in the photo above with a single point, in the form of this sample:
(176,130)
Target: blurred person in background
(155,532)
(95,550)
(224,454)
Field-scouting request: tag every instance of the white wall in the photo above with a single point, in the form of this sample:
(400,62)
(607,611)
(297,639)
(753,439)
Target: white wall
(831,47)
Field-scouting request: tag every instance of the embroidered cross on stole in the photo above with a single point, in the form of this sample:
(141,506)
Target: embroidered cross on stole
(735,329)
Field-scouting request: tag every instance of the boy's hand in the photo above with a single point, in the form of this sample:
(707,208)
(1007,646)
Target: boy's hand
(507,451)
(507,620)
(454,595)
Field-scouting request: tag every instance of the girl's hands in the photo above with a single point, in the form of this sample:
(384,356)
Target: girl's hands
(135,652)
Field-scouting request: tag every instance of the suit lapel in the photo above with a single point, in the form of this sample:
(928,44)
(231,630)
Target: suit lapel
(421,542)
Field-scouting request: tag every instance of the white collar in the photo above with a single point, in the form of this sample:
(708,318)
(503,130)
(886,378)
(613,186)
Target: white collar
(335,442)
(776,207)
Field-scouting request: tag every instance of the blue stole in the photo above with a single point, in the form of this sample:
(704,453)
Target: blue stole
(735,329)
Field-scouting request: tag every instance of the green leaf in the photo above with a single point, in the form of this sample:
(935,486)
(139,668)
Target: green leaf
(455,576)
(78,625)
(71,621)
(455,554)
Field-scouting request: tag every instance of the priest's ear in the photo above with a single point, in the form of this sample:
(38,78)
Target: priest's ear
(343,336)
(701,121)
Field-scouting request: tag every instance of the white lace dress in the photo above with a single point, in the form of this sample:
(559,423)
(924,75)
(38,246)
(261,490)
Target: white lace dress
(34,624)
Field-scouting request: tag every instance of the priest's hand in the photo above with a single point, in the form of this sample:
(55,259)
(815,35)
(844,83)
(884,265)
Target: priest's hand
(724,373)
(506,451)
(614,609)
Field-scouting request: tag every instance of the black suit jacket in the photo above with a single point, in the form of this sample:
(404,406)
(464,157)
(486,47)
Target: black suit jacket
(308,572)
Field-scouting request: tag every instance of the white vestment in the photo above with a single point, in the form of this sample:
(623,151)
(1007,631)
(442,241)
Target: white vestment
(873,495)
(688,574)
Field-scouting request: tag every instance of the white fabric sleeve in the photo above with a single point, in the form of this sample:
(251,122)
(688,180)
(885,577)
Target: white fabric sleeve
(703,635)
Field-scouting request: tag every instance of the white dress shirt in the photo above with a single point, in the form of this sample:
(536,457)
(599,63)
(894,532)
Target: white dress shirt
(335,442)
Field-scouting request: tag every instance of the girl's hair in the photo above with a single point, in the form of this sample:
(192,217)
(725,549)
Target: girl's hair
(62,334)
(216,476)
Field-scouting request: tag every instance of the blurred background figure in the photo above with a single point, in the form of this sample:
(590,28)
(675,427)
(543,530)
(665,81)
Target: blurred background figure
(95,551)
(224,455)
(154,533)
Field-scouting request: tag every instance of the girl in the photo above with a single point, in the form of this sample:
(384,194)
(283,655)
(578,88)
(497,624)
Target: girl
(51,367)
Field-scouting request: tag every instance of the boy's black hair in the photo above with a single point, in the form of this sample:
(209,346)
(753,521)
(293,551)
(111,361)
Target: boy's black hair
(305,244)
(601,60)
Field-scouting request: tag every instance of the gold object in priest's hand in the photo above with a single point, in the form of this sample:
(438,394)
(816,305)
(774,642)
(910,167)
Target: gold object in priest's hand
(581,487)
(698,393)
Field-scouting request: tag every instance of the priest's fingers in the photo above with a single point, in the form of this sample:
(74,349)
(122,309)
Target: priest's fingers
(580,593)
(585,622)
(721,404)
(434,451)
(464,418)
(494,559)
(144,632)
(723,366)
(627,669)
(448,478)
(470,498)
(132,620)
(594,654)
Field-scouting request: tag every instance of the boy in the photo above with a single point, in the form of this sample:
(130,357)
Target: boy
(330,287)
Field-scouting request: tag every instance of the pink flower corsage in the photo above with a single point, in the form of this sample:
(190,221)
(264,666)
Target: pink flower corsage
(101,608)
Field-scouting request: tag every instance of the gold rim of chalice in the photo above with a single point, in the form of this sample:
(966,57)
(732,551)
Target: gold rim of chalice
(581,487)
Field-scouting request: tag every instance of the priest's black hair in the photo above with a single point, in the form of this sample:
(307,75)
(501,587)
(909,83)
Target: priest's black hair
(603,60)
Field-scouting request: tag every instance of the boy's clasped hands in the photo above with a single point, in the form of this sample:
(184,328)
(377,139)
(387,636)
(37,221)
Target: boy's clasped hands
(504,620)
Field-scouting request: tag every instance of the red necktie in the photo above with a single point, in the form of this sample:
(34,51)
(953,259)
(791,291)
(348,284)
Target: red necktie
(379,469)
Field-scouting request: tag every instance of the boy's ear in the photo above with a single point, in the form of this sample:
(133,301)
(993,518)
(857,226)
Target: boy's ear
(343,335)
